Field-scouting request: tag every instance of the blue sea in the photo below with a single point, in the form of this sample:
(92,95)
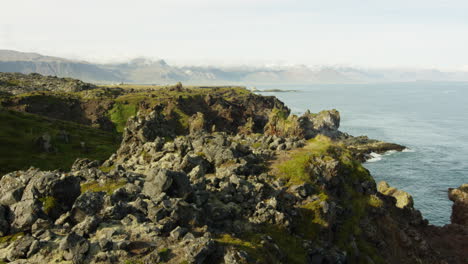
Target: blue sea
(431,119)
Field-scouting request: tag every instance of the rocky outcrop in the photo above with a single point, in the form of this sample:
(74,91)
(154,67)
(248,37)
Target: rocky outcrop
(212,198)
(307,126)
(459,197)
(244,182)
(403,199)
(17,83)
(362,147)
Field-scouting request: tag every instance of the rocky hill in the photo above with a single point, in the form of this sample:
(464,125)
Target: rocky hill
(149,71)
(21,62)
(213,175)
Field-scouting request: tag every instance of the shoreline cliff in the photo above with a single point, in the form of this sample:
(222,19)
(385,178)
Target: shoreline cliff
(201,175)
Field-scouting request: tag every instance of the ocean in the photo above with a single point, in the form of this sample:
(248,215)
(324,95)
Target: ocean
(430,119)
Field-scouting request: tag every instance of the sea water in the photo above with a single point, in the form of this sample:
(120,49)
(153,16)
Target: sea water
(430,119)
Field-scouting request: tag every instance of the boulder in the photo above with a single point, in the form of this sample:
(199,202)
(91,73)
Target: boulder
(11,189)
(87,204)
(403,199)
(234,256)
(87,226)
(74,248)
(57,192)
(81,164)
(175,184)
(24,214)
(199,250)
(197,123)
(20,248)
(459,196)
(4,225)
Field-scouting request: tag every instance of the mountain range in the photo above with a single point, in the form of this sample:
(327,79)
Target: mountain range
(148,71)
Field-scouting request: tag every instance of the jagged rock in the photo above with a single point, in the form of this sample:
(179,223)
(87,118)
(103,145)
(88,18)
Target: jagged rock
(234,256)
(117,211)
(11,189)
(125,194)
(87,226)
(302,190)
(20,248)
(307,126)
(459,197)
(175,184)
(56,192)
(87,204)
(40,225)
(74,248)
(4,225)
(81,164)
(24,214)
(199,250)
(197,123)
(403,199)
(325,122)
(178,232)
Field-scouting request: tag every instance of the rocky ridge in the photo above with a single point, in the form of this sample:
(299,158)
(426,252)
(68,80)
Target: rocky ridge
(242,182)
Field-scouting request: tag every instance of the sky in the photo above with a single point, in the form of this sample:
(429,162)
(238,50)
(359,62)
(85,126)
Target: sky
(366,33)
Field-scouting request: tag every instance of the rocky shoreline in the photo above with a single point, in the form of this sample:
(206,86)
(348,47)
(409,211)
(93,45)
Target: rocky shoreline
(222,176)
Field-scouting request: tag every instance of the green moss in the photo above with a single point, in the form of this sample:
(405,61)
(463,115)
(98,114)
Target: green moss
(20,130)
(120,113)
(201,154)
(281,113)
(257,145)
(107,187)
(48,204)
(13,83)
(251,243)
(11,238)
(133,261)
(295,169)
(375,201)
(182,118)
(146,156)
(311,219)
(164,254)
(106,169)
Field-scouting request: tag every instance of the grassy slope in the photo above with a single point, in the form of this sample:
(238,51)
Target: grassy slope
(18,132)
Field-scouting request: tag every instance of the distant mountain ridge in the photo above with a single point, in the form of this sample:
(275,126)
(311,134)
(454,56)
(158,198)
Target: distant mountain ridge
(147,71)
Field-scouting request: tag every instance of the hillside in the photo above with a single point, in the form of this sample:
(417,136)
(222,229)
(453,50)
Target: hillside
(14,61)
(148,71)
(201,175)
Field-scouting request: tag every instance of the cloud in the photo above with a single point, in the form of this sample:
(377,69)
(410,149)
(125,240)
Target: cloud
(382,33)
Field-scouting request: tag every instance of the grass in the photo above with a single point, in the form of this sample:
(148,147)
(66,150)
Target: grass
(375,201)
(11,238)
(120,113)
(164,253)
(295,167)
(107,169)
(311,218)
(48,204)
(250,242)
(108,187)
(20,130)
(257,145)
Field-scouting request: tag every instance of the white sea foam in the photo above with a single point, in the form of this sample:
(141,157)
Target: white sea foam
(375,157)
(408,150)
(390,152)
